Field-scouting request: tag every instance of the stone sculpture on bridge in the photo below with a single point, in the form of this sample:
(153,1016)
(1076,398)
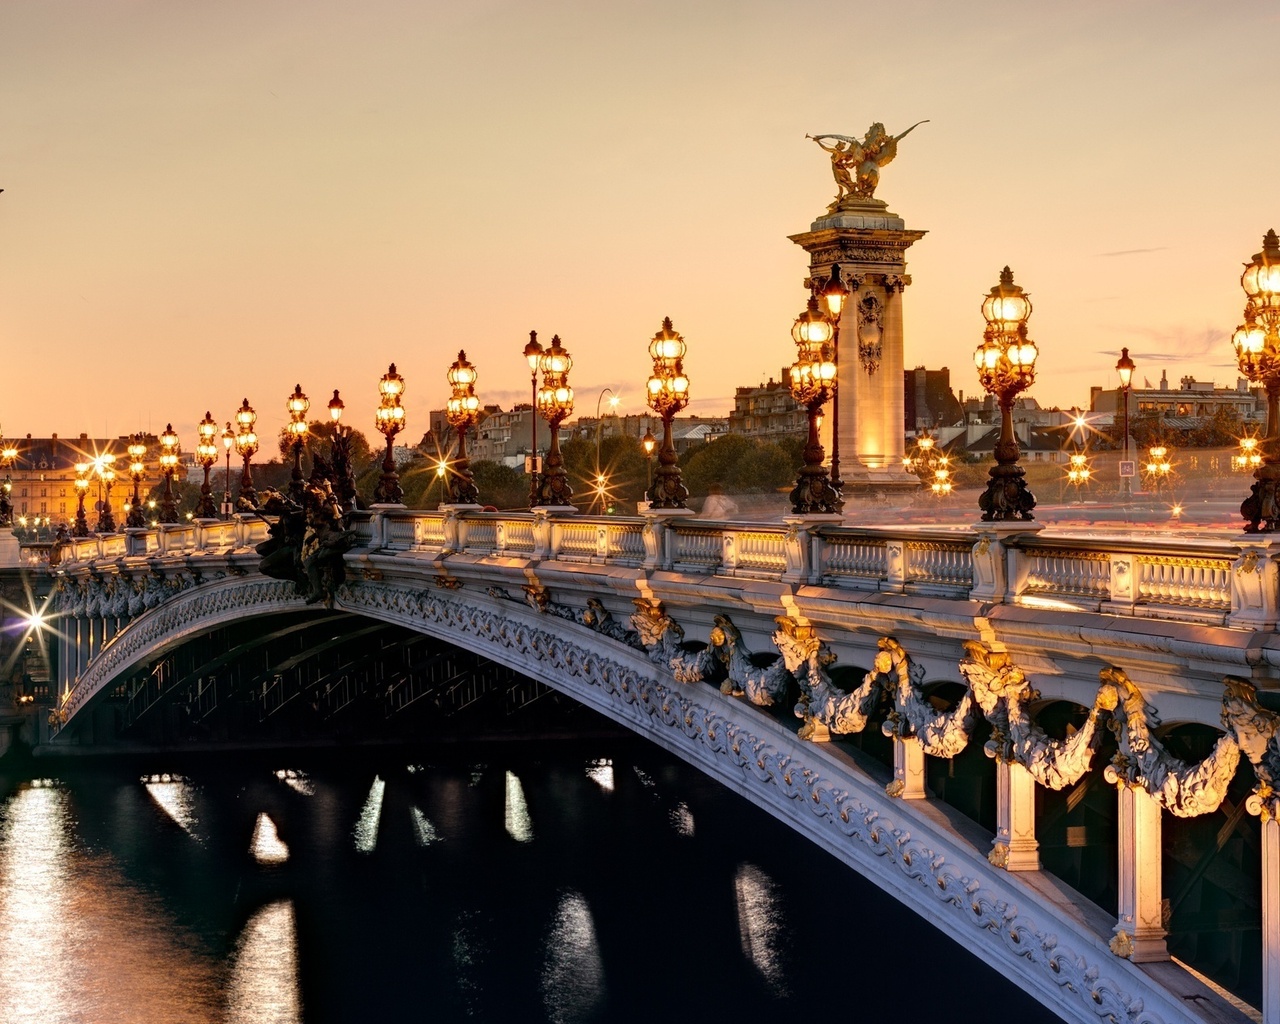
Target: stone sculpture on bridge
(306,542)
(855,164)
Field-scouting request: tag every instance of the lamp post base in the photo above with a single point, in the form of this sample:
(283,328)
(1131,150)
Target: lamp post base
(1261,510)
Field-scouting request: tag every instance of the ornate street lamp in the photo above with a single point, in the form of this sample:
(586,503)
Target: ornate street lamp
(833,293)
(648,443)
(1257,345)
(1006,362)
(8,455)
(1249,458)
(1158,466)
(390,420)
(668,394)
(137,450)
(533,356)
(1125,368)
(930,464)
(107,474)
(228,442)
(246,447)
(81,527)
(1079,472)
(297,404)
(813,376)
(462,410)
(555,402)
(169,449)
(207,457)
(344,478)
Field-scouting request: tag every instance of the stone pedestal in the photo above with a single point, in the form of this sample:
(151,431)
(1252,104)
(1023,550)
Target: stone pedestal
(908,769)
(10,549)
(870,243)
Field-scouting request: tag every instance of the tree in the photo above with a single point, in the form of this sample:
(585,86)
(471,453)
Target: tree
(742,464)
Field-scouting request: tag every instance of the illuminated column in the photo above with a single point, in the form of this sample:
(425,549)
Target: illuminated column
(1270,920)
(1015,847)
(869,243)
(1139,933)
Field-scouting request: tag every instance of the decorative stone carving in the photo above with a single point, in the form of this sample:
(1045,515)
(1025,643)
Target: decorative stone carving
(663,640)
(762,678)
(1141,760)
(1003,694)
(1254,729)
(941,733)
(870,331)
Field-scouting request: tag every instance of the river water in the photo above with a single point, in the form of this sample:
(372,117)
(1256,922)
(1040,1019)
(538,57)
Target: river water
(565,884)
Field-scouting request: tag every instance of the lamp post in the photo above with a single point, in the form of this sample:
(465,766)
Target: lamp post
(1158,466)
(81,527)
(246,446)
(107,474)
(8,455)
(668,394)
(812,377)
(228,442)
(1006,362)
(169,449)
(344,478)
(930,464)
(297,404)
(390,420)
(207,457)
(137,450)
(462,410)
(602,481)
(533,355)
(1257,345)
(555,402)
(1079,472)
(648,443)
(834,292)
(1125,368)
(1249,458)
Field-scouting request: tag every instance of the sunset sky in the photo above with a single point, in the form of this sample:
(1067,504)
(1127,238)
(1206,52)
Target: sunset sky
(211,200)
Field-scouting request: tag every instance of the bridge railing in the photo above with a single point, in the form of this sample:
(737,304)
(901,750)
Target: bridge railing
(1233,580)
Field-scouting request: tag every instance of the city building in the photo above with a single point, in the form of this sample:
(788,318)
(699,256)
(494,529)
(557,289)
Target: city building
(767,411)
(928,400)
(43,474)
(1191,403)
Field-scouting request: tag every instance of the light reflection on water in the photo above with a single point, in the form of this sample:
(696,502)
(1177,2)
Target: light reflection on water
(366,830)
(175,799)
(573,982)
(760,924)
(601,773)
(267,846)
(263,987)
(518,823)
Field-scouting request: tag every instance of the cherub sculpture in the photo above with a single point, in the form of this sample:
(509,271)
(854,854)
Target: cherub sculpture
(856,164)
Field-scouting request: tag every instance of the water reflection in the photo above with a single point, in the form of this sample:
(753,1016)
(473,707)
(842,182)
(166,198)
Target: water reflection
(518,823)
(601,773)
(263,987)
(760,924)
(424,833)
(297,781)
(573,982)
(366,830)
(175,798)
(682,819)
(267,846)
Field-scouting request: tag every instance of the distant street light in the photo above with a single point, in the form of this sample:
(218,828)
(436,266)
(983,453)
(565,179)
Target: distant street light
(81,527)
(104,468)
(1158,466)
(207,457)
(834,292)
(813,375)
(136,518)
(228,442)
(344,477)
(649,443)
(246,447)
(555,403)
(8,455)
(1249,458)
(601,480)
(390,420)
(169,448)
(462,411)
(1006,362)
(1078,473)
(1125,368)
(1257,345)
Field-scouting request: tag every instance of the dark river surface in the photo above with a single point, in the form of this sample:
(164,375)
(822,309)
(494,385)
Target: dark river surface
(564,883)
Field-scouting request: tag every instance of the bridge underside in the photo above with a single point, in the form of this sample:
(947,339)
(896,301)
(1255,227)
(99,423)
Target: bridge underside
(315,677)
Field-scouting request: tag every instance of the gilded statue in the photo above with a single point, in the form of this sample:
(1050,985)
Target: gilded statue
(856,164)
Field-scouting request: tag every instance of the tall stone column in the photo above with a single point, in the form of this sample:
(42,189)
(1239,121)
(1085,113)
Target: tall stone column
(1139,934)
(869,243)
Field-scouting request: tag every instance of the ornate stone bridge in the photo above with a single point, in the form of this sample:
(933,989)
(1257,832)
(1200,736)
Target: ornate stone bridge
(1051,746)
